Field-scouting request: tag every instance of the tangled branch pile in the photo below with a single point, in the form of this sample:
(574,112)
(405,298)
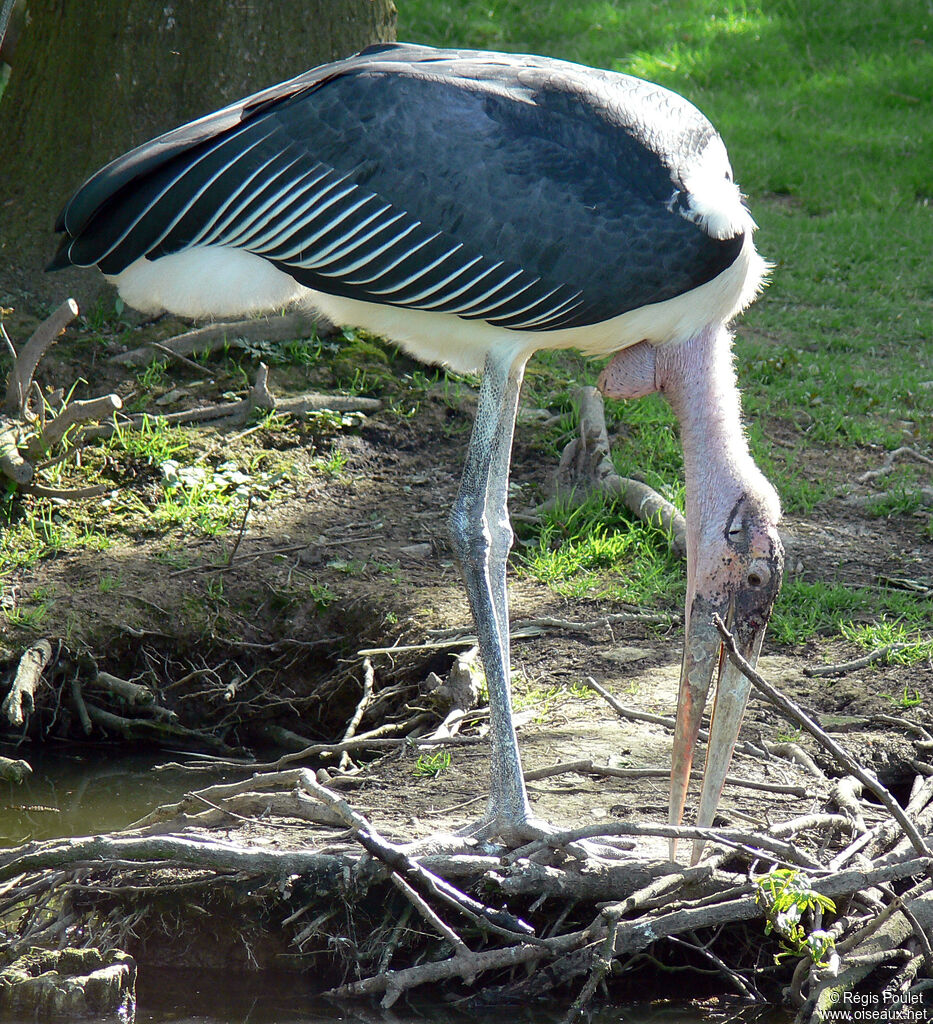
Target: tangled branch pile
(845,897)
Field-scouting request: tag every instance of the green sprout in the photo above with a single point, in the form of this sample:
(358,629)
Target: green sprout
(429,766)
(787,899)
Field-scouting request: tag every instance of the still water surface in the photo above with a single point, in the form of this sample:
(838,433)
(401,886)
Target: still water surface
(78,796)
(211,999)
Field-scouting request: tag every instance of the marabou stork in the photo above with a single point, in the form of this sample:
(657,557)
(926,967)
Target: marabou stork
(477,207)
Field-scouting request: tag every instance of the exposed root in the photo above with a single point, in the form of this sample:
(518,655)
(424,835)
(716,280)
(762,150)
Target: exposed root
(218,336)
(613,915)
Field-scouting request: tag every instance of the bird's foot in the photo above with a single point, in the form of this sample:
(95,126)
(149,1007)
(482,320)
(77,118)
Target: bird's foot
(535,838)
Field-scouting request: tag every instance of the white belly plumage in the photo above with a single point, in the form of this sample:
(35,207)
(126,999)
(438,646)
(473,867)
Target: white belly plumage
(221,281)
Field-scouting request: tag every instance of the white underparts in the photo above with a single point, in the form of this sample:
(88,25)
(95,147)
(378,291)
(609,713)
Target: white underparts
(214,281)
(207,281)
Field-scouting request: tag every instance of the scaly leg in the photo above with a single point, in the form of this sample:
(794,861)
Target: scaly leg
(481,537)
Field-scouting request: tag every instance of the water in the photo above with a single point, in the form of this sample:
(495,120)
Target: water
(219,999)
(80,795)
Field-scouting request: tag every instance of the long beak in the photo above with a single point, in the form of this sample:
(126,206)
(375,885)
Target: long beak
(703,657)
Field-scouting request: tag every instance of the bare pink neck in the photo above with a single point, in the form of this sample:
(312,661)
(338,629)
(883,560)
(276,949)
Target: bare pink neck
(699,381)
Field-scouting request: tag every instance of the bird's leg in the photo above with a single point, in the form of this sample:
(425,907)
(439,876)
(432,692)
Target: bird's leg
(481,537)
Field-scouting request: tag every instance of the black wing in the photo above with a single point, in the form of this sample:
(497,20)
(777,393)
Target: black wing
(527,192)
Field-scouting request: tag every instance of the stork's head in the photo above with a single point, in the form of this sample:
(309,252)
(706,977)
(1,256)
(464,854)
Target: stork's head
(735,559)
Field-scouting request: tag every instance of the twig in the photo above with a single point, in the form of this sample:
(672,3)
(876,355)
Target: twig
(881,654)
(241,531)
(66,493)
(731,780)
(466,640)
(349,732)
(631,713)
(177,356)
(805,722)
(889,460)
(568,625)
(665,721)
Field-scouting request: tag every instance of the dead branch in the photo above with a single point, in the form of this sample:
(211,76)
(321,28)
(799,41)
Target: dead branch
(845,795)
(232,334)
(461,640)
(73,413)
(12,463)
(14,771)
(586,468)
(150,729)
(28,434)
(740,839)
(65,493)
(239,411)
(887,466)
(362,704)
(20,702)
(395,983)
(424,909)
(130,693)
(788,750)
(797,715)
(568,625)
(882,654)
(19,382)
(77,701)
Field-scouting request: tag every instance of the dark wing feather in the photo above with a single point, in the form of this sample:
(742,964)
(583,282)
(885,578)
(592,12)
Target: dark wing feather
(526,192)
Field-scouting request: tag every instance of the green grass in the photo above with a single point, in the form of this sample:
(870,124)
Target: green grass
(430,766)
(596,551)
(805,610)
(825,110)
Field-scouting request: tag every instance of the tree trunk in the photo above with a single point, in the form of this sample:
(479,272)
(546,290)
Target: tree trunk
(92,80)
